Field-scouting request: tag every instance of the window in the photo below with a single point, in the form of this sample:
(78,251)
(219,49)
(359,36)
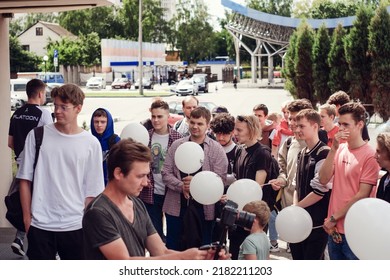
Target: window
(39,31)
(26,48)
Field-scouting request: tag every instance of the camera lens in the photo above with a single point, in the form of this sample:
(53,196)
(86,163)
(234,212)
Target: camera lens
(245,219)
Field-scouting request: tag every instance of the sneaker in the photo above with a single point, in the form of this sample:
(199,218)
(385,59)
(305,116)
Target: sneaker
(17,247)
(274,248)
(288,250)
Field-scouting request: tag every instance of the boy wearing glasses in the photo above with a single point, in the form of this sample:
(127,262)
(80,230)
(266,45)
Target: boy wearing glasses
(68,175)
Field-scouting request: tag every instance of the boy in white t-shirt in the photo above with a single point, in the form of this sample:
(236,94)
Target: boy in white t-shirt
(68,175)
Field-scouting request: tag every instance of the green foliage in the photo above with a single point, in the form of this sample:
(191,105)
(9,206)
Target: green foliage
(289,66)
(21,60)
(333,9)
(275,7)
(195,36)
(337,62)
(358,57)
(321,68)
(69,52)
(304,63)
(379,45)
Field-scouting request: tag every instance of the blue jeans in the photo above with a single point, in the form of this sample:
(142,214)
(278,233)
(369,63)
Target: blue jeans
(340,251)
(156,213)
(273,234)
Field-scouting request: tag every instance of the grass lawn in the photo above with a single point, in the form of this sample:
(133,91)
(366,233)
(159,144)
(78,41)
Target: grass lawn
(147,93)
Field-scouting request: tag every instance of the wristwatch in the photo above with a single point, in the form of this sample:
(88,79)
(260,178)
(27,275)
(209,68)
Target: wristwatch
(332,219)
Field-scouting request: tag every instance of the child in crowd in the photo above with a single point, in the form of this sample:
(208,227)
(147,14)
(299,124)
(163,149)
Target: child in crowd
(256,245)
(328,114)
(282,131)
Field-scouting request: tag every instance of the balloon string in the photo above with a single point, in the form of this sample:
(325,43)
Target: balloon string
(317,227)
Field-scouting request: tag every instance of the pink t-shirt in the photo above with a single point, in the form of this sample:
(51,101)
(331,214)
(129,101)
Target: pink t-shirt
(352,167)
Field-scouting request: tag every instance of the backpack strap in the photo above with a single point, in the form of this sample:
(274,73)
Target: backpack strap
(111,140)
(38,133)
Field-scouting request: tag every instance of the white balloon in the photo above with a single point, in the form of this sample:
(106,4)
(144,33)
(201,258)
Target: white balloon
(367,229)
(206,187)
(243,191)
(189,157)
(293,224)
(137,132)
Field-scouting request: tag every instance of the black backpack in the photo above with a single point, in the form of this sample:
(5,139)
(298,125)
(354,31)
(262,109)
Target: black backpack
(14,212)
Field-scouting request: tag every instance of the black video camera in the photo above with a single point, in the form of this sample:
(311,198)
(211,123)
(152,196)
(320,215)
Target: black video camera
(231,217)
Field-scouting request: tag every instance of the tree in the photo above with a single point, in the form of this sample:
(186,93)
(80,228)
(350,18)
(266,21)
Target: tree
(379,45)
(358,56)
(101,20)
(21,60)
(321,69)
(69,52)
(90,49)
(337,62)
(289,66)
(304,63)
(322,9)
(195,36)
(275,7)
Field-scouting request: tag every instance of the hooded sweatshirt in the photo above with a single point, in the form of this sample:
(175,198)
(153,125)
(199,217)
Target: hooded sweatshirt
(104,139)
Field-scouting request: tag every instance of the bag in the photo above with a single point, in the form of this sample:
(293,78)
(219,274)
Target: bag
(14,212)
(191,235)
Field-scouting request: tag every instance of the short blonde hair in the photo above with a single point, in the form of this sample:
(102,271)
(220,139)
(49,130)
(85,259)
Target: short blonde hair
(383,140)
(253,125)
(329,108)
(260,209)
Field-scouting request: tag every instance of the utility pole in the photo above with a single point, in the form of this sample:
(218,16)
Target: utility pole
(140,63)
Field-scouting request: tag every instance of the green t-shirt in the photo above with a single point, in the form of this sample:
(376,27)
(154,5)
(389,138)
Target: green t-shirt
(255,244)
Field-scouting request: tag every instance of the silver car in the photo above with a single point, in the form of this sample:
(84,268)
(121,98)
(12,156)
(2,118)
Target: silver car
(187,87)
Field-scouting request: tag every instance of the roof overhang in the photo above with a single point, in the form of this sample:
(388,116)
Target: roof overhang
(46,6)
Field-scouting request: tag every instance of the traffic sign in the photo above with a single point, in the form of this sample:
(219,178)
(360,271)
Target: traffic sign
(55,53)
(55,61)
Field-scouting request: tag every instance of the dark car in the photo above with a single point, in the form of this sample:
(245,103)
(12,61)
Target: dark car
(49,88)
(121,83)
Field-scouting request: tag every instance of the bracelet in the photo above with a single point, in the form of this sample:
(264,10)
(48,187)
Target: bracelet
(332,219)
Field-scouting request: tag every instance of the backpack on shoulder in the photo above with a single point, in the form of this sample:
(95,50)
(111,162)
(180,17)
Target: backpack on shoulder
(14,212)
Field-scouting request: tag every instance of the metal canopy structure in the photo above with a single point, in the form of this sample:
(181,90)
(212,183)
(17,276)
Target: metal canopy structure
(270,32)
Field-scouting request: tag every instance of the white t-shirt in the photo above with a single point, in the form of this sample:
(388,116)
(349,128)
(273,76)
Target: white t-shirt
(68,171)
(159,148)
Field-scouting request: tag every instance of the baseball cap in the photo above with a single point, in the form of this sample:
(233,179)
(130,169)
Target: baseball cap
(219,109)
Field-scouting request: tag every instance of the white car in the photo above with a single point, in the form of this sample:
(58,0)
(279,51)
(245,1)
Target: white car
(186,87)
(96,83)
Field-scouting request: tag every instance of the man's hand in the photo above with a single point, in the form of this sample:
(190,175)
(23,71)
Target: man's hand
(277,183)
(194,254)
(340,137)
(186,186)
(27,223)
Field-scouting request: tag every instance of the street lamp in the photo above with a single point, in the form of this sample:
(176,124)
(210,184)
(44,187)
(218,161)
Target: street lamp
(45,59)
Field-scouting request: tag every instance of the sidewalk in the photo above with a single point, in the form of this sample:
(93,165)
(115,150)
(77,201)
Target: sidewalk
(7,235)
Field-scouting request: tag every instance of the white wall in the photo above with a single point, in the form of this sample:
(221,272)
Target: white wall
(38,43)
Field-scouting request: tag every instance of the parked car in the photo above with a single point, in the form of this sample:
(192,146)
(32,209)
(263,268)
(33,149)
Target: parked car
(18,89)
(49,88)
(96,83)
(176,110)
(16,103)
(186,87)
(121,83)
(202,81)
(146,84)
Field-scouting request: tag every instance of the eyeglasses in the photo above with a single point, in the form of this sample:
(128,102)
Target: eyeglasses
(63,108)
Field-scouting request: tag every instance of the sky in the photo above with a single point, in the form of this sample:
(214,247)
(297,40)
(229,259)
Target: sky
(216,10)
